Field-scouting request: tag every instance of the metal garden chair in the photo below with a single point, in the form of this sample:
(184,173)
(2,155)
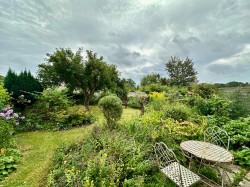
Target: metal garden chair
(217,136)
(171,167)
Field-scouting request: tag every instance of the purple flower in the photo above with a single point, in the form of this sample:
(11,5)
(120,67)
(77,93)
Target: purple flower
(17,123)
(15,115)
(2,115)
(23,117)
(10,111)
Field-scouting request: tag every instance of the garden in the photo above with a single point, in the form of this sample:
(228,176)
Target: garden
(57,135)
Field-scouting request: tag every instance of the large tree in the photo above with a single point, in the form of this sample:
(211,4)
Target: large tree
(97,75)
(90,74)
(63,67)
(153,79)
(181,72)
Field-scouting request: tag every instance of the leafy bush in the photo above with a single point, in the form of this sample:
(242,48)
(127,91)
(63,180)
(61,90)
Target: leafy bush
(4,97)
(104,160)
(177,112)
(7,165)
(112,109)
(53,100)
(72,116)
(214,106)
(238,105)
(239,132)
(6,131)
(8,160)
(204,90)
(8,120)
(133,102)
(154,88)
(242,157)
(156,95)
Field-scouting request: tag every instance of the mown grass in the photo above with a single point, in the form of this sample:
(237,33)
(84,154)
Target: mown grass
(38,149)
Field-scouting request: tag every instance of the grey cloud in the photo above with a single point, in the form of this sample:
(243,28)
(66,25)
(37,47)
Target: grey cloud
(124,31)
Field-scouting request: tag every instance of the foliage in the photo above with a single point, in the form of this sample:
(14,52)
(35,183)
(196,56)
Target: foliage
(104,160)
(4,97)
(153,79)
(238,177)
(239,132)
(242,157)
(112,109)
(72,116)
(179,112)
(219,108)
(62,67)
(23,84)
(154,88)
(156,95)
(7,165)
(209,173)
(238,104)
(5,134)
(204,90)
(133,102)
(8,120)
(52,100)
(181,72)
(131,85)
(89,75)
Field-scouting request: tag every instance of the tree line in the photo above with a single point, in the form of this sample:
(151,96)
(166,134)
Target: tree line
(90,73)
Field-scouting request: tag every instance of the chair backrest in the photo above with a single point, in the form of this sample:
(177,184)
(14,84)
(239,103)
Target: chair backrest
(217,136)
(164,155)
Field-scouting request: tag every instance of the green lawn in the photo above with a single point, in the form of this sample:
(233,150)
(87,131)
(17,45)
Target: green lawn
(38,148)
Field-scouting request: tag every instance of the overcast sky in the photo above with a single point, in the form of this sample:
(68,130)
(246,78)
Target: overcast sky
(138,36)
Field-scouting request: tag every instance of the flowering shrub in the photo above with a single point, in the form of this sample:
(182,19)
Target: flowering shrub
(7,120)
(10,115)
(156,95)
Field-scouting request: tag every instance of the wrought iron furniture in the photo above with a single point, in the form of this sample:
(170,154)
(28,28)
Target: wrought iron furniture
(208,152)
(217,136)
(171,167)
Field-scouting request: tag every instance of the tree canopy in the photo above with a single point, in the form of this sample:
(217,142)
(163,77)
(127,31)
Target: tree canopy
(88,74)
(153,79)
(181,72)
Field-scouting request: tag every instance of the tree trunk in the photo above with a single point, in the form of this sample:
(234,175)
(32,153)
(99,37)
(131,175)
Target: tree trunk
(86,102)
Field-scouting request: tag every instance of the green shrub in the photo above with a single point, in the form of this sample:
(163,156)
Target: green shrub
(52,100)
(72,116)
(133,102)
(242,157)
(204,90)
(4,97)
(238,105)
(177,112)
(6,131)
(7,165)
(154,88)
(104,160)
(112,109)
(239,132)
(214,106)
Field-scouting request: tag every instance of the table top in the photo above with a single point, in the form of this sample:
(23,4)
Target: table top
(207,151)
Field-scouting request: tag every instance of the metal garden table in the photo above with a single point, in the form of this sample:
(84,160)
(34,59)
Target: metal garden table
(209,152)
